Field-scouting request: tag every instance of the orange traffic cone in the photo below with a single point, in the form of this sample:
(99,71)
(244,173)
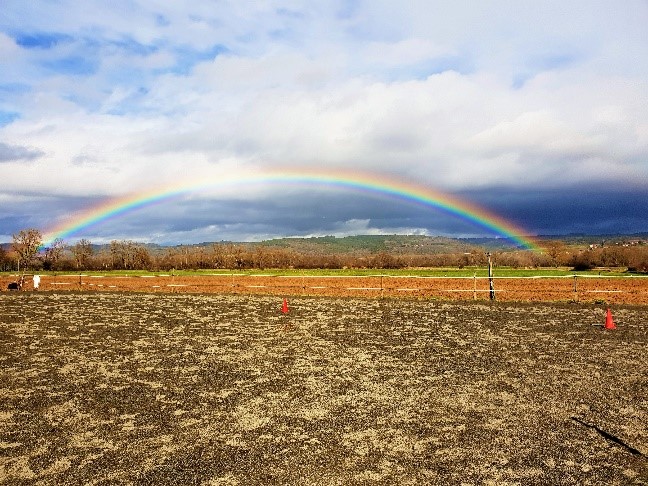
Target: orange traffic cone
(609,322)
(284,307)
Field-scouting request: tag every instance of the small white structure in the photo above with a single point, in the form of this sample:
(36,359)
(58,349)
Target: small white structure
(36,279)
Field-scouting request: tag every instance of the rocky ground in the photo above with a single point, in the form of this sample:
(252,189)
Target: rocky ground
(137,388)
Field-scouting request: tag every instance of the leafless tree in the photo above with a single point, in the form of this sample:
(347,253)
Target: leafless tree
(5,260)
(53,254)
(26,244)
(82,252)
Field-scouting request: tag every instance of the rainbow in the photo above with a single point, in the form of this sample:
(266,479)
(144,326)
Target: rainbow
(355,181)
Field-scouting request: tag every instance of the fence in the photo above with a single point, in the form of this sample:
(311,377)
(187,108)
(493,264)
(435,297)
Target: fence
(629,290)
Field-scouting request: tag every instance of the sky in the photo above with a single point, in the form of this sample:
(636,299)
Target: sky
(534,111)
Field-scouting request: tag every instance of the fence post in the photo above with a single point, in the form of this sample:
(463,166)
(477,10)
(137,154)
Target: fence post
(490,277)
(475,286)
(575,289)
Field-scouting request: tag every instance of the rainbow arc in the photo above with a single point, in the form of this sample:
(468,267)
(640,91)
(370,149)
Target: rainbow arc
(353,181)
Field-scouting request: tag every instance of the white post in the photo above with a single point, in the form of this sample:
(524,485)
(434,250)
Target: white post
(490,277)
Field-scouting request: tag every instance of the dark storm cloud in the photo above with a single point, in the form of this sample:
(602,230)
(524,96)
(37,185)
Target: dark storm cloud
(588,210)
(578,209)
(8,224)
(294,215)
(18,212)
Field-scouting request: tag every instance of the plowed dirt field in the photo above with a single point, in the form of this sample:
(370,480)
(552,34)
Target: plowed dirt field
(610,290)
(213,389)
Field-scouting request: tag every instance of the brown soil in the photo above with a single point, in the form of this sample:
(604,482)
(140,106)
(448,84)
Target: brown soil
(128,388)
(610,290)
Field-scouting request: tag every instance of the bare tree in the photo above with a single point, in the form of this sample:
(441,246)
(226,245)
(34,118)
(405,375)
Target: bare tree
(218,256)
(5,260)
(639,260)
(557,251)
(26,244)
(53,254)
(119,252)
(141,257)
(82,252)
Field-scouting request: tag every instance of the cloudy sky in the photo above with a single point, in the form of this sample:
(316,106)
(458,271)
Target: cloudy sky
(535,111)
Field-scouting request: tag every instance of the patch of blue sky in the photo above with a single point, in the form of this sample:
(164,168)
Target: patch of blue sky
(187,58)
(96,47)
(556,61)
(131,46)
(14,88)
(542,64)
(8,117)
(285,34)
(126,77)
(132,104)
(72,65)
(459,64)
(162,21)
(289,13)
(86,102)
(429,67)
(347,9)
(41,40)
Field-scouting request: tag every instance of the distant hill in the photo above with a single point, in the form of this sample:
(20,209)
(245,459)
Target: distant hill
(492,244)
(393,244)
(398,244)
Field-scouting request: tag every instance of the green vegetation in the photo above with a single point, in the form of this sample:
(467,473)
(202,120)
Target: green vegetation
(392,244)
(419,272)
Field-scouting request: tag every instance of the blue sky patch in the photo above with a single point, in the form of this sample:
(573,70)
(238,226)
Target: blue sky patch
(162,21)
(7,117)
(72,65)
(14,88)
(541,64)
(41,40)
(556,61)
(130,104)
(130,45)
(187,58)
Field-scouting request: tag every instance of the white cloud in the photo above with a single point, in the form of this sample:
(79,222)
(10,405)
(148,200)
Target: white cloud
(8,48)
(535,131)
(458,96)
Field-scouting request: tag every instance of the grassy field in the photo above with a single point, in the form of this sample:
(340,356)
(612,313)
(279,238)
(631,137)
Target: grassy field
(423,272)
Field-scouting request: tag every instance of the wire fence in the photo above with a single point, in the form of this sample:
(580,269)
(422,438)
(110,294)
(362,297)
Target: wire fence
(577,288)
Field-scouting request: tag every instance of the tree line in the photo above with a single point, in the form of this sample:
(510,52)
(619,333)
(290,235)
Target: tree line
(27,254)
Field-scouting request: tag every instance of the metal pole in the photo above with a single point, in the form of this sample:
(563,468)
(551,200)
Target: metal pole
(490,277)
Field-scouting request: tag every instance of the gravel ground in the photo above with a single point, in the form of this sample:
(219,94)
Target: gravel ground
(131,388)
